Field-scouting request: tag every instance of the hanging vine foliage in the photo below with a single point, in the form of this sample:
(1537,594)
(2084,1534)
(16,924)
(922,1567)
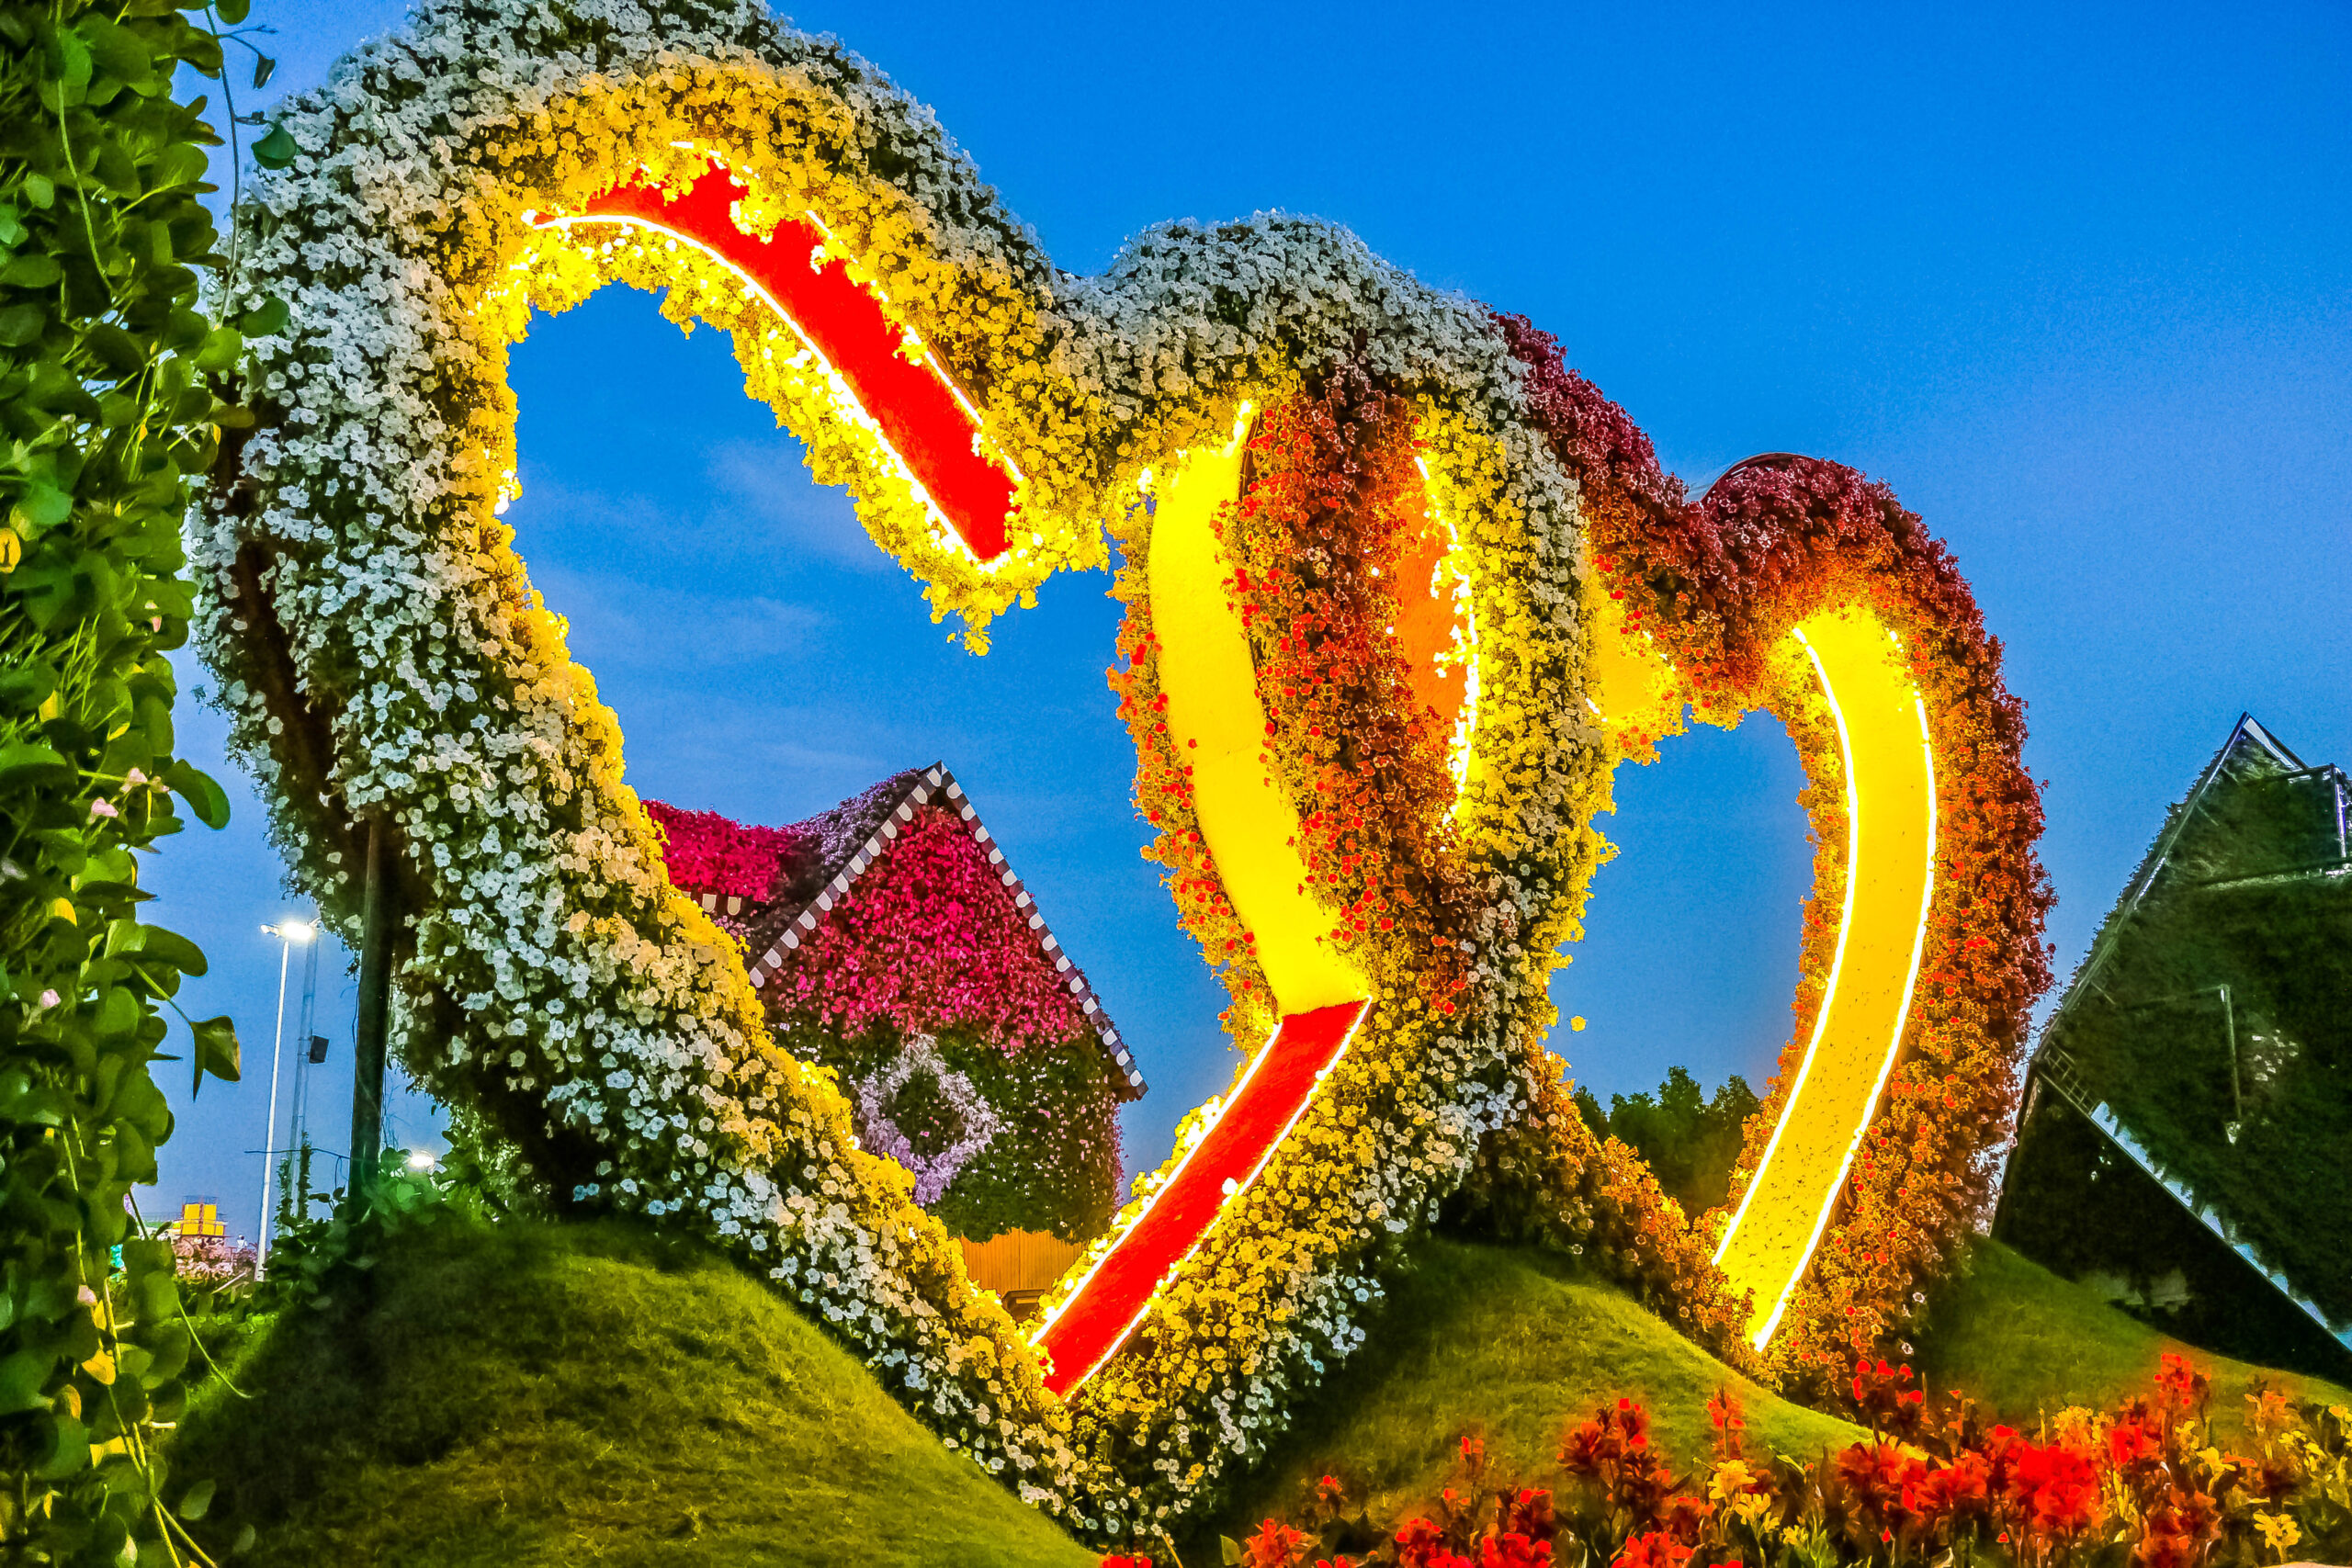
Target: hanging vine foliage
(109,403)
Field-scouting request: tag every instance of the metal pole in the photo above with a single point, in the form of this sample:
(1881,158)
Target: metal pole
(377,919)
(301,1127)
(269,1128)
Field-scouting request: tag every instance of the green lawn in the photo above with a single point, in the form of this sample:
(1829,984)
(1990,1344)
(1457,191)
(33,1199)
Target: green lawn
(2024,1342)
(587,1395)
(1514,1346)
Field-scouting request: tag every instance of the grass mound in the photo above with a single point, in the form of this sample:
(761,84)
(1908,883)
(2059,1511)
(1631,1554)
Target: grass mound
(1511,1343)
(584,1394)
(2023,1342)
(1514,1345)
(542,1394)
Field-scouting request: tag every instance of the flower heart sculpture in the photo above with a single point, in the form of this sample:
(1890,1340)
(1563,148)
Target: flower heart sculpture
(1401,592)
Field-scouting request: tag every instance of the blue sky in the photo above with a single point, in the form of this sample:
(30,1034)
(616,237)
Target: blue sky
(2072,279)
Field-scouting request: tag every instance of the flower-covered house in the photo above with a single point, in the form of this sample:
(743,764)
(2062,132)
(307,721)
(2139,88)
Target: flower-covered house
(893,944)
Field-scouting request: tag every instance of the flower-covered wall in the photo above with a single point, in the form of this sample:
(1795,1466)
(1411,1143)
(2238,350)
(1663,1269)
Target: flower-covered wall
(925,991)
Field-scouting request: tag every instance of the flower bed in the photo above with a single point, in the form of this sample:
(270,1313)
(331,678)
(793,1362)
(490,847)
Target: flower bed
(2151,1484)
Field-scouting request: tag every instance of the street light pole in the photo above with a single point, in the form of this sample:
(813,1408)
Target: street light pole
(289,934)
(377,918)
(299,1135)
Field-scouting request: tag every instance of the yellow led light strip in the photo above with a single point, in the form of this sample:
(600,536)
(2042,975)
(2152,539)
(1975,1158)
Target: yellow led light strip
(1882,936)
(1219,730)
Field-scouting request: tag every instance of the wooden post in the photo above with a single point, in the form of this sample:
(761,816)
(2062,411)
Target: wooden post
(378,917)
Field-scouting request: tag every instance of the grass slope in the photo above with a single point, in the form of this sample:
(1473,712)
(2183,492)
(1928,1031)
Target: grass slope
(2023,1342)
(1511,1343)
(588,1395)
(1514,1345)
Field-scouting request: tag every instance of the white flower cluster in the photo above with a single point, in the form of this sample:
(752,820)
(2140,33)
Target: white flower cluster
(382,656)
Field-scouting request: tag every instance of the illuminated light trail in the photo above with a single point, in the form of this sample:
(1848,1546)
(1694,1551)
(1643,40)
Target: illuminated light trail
(922,418)
(1089,1327)
(1219,727)
(1881,934)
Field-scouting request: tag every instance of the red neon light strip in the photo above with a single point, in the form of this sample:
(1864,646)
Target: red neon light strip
(1094,1322)
(914,404)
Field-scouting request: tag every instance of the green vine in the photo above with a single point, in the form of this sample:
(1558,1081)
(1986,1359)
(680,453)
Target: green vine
(109,371)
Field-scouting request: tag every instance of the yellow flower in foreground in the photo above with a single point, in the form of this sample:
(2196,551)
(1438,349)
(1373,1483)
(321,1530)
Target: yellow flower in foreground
(2279,1531)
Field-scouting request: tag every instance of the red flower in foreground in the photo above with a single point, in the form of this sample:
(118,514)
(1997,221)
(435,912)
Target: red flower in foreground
(1421,1544)
(1655,1550)
(2058,1484)
(1514,1551)
(1275,1545)
(1531,1515)
(2180,1387)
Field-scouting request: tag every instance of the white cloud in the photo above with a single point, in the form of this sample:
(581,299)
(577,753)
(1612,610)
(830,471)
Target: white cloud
(779,502)
(621,623)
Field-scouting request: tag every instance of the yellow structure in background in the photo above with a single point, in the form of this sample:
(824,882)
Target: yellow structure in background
(1219,727)
(1890,860)
(200,1219)
(1019,1266)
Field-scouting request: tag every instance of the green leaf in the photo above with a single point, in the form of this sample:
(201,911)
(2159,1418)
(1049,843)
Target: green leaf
(116,48)
(159,946)
(233,11)
(196,1499)
(69,1454)
(203,796)
(36,269)
(222,350)
(70,58)
(44,505)
(264,320)
(26,763)
(216,1051)
(26,687)
(40,190)
(116,349)
(157,1299)
(277,149)
(21,324)
(22,1378)
(1229,1548)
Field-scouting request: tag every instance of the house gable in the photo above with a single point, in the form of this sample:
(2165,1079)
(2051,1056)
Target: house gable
(817,866)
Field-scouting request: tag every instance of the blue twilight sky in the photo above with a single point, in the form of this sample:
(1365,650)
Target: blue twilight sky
(2072,279)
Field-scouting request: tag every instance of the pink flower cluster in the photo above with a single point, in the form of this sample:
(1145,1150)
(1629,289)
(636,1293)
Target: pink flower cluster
(929,939)
(710,854)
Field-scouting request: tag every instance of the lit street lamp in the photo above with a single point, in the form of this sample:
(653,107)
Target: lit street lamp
(290,934)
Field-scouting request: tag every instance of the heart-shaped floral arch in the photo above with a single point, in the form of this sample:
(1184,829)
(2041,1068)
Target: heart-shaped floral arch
(1401,592)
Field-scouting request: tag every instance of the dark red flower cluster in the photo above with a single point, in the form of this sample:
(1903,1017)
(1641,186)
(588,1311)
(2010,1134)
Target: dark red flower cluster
(710,854)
